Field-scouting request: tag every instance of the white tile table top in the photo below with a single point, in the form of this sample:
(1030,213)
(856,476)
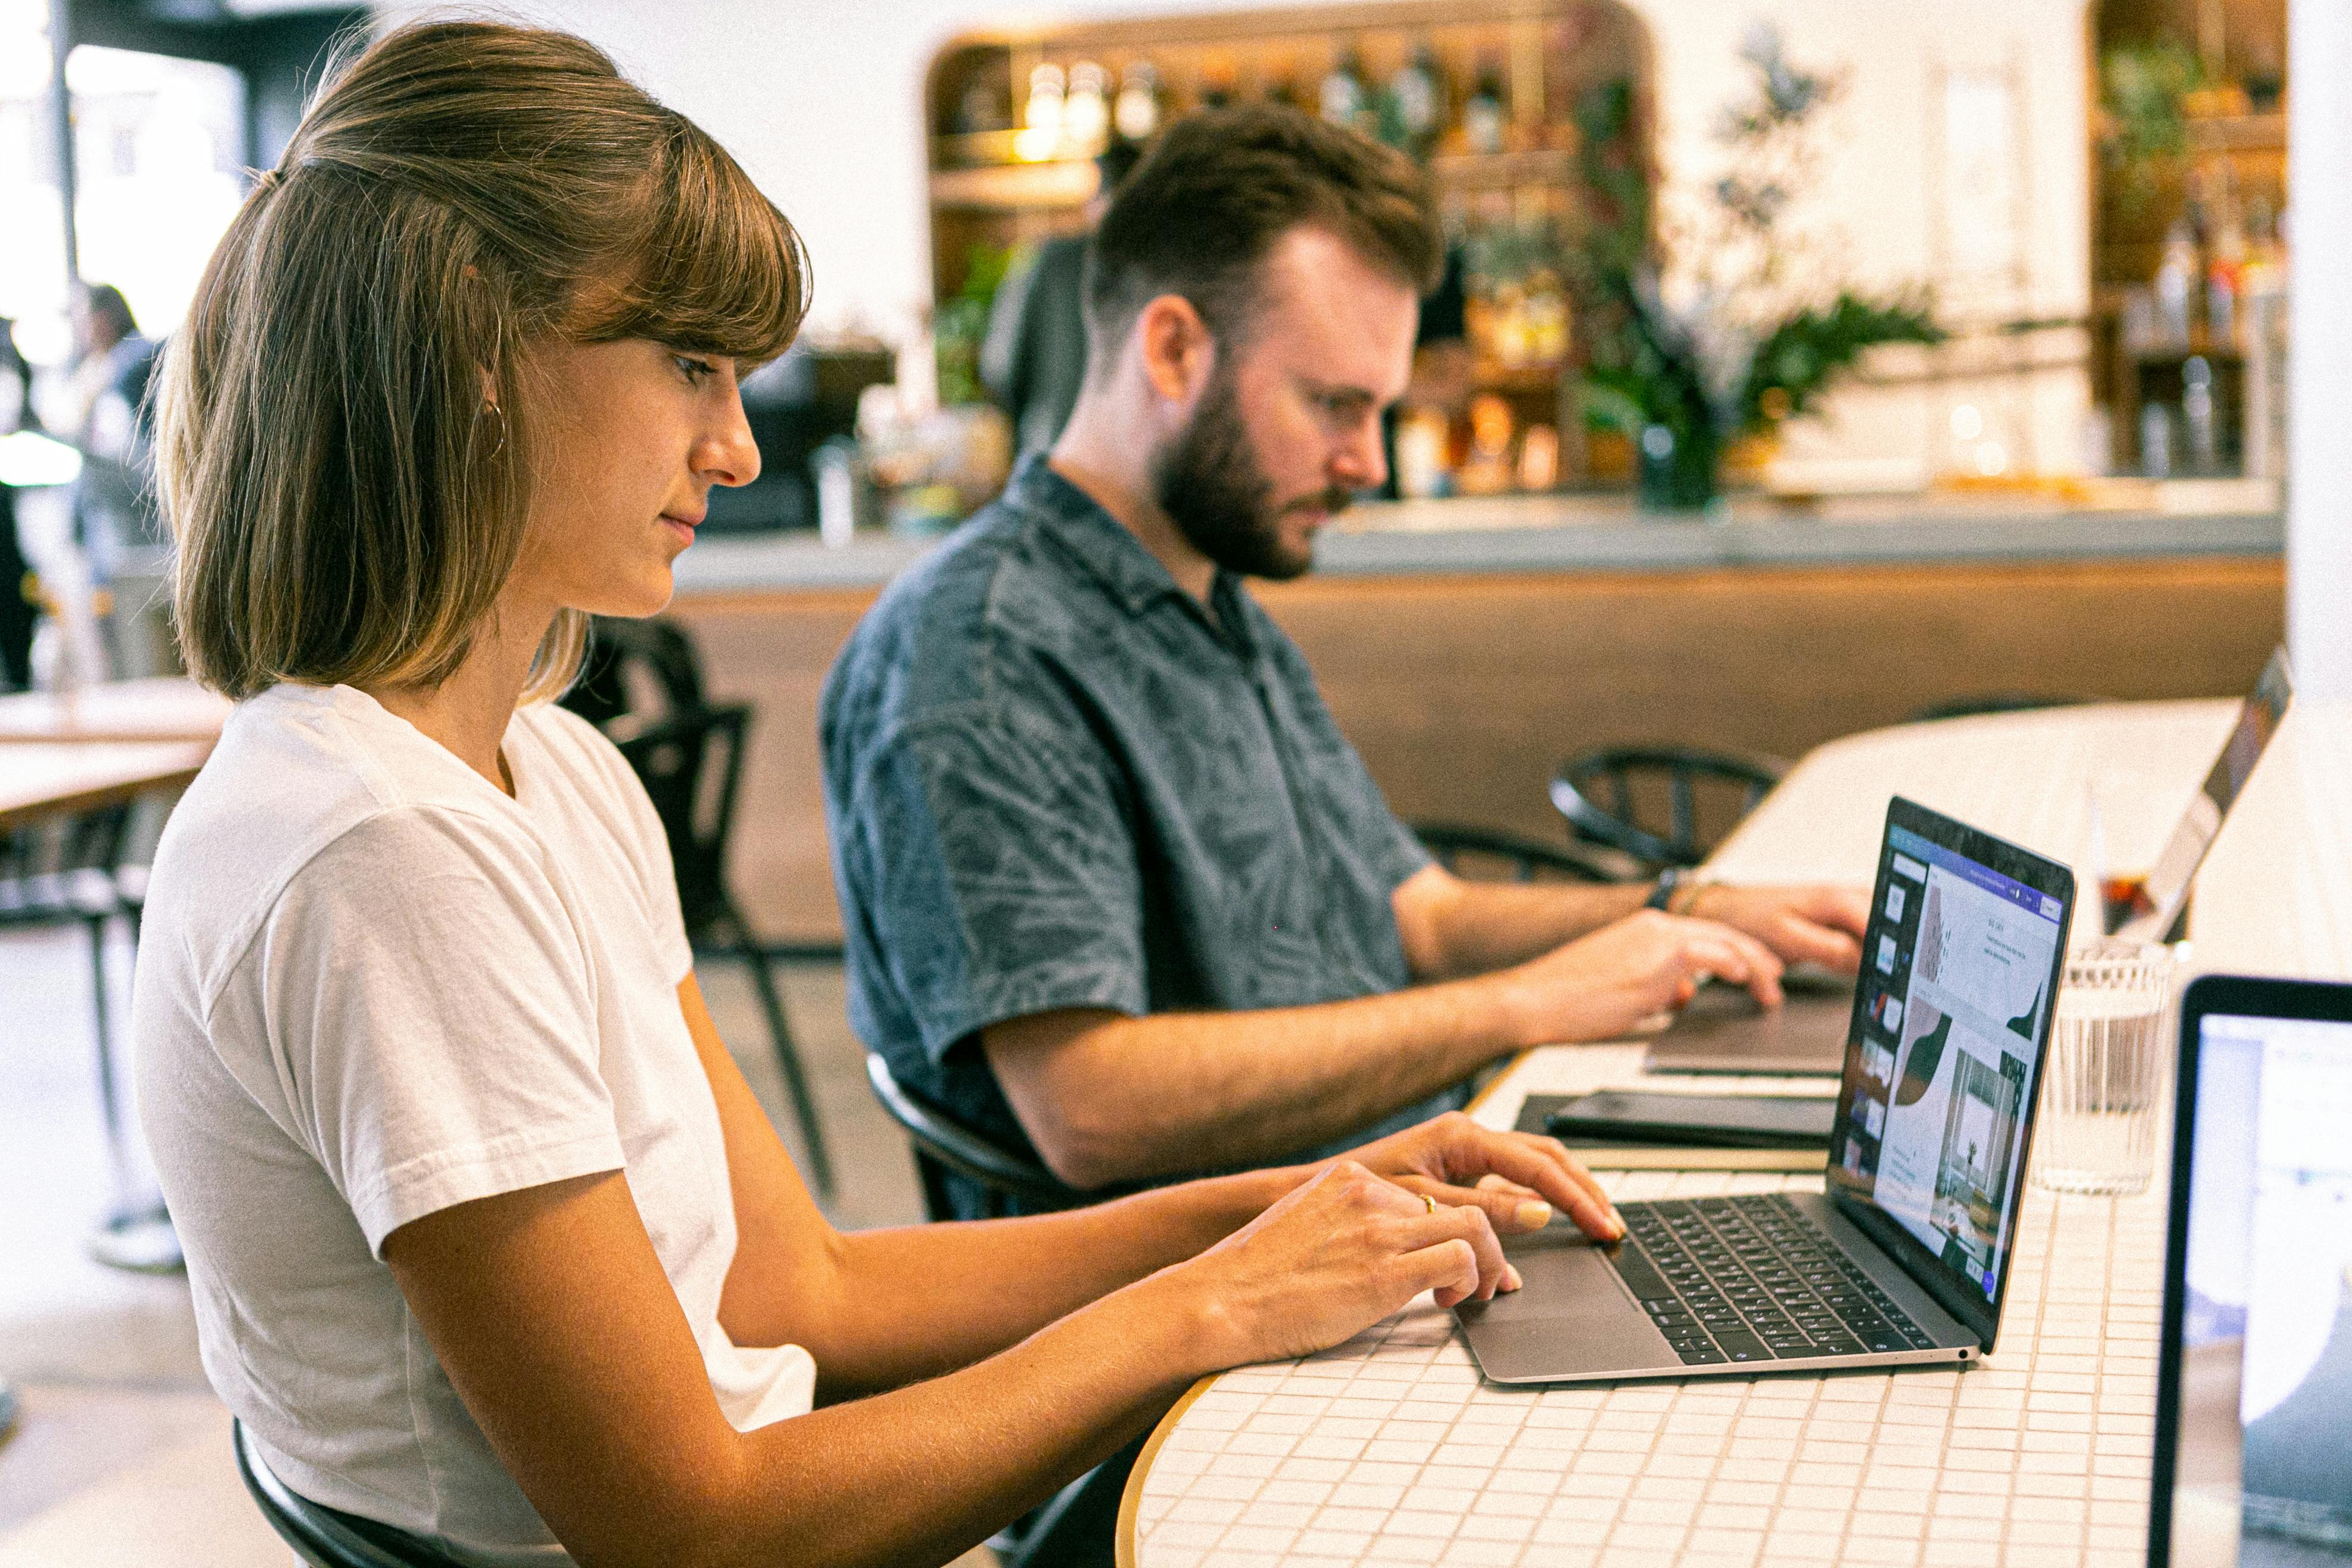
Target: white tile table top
(1389,1448)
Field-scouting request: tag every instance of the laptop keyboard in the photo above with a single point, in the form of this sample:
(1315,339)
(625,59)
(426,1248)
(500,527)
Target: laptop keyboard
(1752,1280)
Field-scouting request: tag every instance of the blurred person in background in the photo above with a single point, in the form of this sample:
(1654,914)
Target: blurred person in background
(1035,356)
(17,613)
(106,419)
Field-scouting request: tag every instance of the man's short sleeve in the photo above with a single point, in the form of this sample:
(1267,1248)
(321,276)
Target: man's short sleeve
(998,864)
(429,1005)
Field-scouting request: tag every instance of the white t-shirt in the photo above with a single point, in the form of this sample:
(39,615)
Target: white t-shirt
(371,987)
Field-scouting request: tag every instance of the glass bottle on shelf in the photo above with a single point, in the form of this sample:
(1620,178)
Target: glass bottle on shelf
(1085,112)
(1415,104)
(2225,276)
(1217,78)
(1486,114)
(2176,275)
(1136,115)
(1346,98)
(1040,136)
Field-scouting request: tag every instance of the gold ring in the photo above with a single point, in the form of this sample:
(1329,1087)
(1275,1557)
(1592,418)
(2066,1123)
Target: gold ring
(1430,1201)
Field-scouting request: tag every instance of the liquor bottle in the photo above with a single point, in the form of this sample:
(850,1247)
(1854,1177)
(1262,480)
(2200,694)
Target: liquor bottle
(1040,136)
(2176,275)
(1217,83)
(1346,98)
(1414,108)
(1137,113)
(2225,276)
(1086,112)
(1487,115)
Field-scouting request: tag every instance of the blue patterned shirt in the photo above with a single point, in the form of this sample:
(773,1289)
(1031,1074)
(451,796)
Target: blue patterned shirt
(1053,779)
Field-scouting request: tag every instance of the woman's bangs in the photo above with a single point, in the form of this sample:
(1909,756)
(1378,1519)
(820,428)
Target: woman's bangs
(724,271)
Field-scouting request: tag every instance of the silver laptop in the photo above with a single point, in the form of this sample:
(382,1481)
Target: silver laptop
(2253,1404)
(1724,1031)
(2151,913)
(1903,1260)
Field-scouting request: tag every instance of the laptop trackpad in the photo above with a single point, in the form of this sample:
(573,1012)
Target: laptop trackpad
(1572,1316)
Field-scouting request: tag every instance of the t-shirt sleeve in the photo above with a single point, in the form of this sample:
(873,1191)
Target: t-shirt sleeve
(430,1006)
(1002,864)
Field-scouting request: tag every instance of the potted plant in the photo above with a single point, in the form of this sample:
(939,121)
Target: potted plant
(1747,336)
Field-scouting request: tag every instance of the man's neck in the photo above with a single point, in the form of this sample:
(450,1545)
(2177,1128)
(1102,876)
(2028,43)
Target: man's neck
(1117,478)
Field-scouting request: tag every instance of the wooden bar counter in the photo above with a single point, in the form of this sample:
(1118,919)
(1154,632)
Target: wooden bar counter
(1467,648)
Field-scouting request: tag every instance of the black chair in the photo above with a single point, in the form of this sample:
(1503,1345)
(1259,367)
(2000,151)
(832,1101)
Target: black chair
(1997,702)
(942,1144)
(629,661)
(322,1536)
(1463,850)
(70,871)
(1610,797)
(691,761)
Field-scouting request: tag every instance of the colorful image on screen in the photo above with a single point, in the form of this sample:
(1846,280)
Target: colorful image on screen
(1934,1119)
(2264,1477)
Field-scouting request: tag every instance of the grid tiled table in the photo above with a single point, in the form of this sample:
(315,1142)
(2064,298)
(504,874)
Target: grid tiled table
(1390,1449)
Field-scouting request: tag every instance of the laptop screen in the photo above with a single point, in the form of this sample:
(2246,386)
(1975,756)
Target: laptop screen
(2263,1362)
(2146,914)
(1958,968)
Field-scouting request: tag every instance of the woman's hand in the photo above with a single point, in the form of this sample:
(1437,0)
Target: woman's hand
(1516,1179)
(1341,1251)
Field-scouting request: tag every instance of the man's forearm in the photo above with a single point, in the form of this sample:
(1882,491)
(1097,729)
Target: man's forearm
(1108,1099)
(1466,928)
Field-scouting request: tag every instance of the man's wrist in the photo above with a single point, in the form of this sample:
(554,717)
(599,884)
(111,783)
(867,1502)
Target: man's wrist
(1679,890)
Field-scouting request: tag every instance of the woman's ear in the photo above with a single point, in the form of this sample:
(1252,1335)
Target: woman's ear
(1177,352)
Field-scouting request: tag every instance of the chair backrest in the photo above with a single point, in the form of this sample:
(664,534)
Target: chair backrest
(64,867)
(635,667)
(1470,852)
(691,763)
(1612,796)
(940,1136)
(322,1536)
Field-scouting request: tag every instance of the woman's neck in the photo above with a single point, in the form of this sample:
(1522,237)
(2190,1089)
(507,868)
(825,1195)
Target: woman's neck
(468,712)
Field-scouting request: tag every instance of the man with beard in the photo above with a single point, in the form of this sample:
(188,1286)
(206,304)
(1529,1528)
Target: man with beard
(1115,886)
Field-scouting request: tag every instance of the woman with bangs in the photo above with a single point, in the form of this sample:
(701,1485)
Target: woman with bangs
(488,1240)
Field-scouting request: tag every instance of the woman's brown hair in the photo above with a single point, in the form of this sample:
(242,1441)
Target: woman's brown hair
(346,452)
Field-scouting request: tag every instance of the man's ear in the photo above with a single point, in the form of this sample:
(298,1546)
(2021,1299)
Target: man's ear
(1177,351)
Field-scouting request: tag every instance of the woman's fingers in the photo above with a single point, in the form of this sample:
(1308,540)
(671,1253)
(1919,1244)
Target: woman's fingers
(1540,1167)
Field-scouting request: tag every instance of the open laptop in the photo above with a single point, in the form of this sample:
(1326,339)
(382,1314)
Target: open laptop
(2151,913)
(1724,1031)
(1903,1260)
(2253,1416)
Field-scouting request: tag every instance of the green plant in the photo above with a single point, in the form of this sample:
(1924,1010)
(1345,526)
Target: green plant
(1746,350)
(2143,91)
(960,322)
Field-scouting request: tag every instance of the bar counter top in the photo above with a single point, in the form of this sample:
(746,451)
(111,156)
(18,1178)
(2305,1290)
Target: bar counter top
(1607,533)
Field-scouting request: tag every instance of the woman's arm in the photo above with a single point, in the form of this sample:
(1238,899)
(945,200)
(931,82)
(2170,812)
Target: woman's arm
(559,1329)
(952,1294)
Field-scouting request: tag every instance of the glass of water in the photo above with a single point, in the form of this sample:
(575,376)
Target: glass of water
(2109,1050)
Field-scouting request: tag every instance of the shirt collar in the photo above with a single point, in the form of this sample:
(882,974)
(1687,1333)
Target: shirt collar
(1108,549)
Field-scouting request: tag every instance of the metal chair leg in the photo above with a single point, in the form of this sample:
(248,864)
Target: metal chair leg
(789,1060)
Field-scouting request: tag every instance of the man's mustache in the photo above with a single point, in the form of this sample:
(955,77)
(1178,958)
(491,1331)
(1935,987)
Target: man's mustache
(1332,499)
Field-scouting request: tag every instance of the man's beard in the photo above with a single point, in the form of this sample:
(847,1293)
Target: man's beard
(1210,483)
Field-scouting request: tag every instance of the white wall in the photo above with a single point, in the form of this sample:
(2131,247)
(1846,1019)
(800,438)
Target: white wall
(822,104)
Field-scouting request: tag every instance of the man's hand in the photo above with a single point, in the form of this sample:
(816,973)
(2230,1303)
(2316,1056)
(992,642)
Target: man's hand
(1516,1178)
(1800,925)
(1611,983)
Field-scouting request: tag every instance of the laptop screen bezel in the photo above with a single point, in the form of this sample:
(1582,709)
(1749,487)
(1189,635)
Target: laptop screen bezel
(1979,1314)
(2207,996)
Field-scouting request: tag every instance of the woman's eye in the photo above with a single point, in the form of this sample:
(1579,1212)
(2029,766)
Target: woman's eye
(694,370)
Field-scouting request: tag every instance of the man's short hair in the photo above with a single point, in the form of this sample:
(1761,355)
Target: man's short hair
(1220,189)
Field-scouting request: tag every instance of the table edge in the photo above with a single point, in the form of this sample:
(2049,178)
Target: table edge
(1131,1496)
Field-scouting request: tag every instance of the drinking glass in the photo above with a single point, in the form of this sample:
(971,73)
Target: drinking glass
(2108,1050)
